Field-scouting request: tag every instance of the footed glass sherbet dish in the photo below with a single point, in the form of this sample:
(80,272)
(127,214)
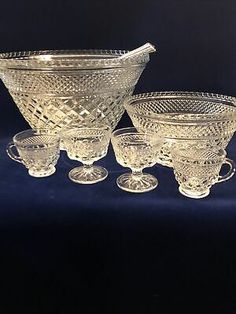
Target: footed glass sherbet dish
(136,151)
(56,88)
(87,145)
(177,114)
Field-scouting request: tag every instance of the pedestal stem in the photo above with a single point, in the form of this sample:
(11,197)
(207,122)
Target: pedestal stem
(137,173)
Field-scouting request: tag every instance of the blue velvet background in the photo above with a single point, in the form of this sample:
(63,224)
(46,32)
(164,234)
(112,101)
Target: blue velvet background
(67,248)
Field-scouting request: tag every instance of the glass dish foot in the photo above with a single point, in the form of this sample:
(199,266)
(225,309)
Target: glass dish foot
(88,175)
(137,183)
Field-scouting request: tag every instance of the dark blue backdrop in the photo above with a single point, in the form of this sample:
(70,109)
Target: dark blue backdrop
(66,248)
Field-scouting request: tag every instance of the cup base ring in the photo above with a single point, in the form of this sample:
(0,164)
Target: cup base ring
(193,194)
(41,174)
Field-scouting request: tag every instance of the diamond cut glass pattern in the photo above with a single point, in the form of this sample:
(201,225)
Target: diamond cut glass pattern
(136,151)
(38,150)
(87,145)
(190,115)
(196,170)
(54,89)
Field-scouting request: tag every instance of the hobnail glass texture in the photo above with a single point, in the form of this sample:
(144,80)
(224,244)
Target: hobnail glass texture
(38,151)
(57,88)
(196,170)
(136,151)
(176,115)
(87,145)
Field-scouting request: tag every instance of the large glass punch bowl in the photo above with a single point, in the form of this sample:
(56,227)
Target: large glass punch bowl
(53,89)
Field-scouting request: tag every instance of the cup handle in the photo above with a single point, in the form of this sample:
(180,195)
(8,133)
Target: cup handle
(230,173)
(11,154)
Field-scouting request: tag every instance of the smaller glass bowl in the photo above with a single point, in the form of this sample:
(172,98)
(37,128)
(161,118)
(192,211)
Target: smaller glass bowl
(180,114)
(208,143)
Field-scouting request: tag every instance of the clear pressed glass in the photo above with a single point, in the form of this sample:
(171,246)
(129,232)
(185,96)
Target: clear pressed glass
(38,150)
(136,151)
(87,145)
(191,115)
(57,88)
(196,170)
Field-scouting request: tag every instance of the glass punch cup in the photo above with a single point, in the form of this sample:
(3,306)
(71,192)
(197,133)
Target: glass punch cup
(136,151)
(38,150)
(196,170)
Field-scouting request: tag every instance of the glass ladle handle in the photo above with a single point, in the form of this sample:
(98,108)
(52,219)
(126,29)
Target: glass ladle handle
(230,173)
(11,154)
